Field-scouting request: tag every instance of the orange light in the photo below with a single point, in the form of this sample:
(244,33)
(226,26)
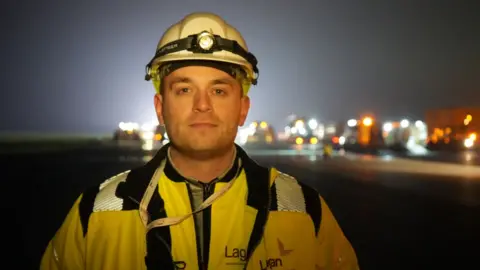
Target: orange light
(367,121)
(473,136)
(335,139)
(158,137)
(467,119)
(299,140)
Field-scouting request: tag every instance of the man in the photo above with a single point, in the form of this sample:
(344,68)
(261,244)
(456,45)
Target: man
(201,202)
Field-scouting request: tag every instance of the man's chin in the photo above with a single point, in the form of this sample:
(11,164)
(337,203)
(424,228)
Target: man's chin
(205,147)
(204,150)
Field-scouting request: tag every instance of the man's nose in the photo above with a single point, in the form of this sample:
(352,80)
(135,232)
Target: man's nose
(202,102)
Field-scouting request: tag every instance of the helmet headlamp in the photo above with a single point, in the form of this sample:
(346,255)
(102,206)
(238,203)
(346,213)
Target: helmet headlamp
(205,40)
(206,43)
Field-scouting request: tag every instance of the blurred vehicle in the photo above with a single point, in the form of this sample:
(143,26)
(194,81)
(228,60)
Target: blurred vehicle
(405,135)
(127,132)
(361,133)
(301,140)
(301,131)
(259,133)
(453,128)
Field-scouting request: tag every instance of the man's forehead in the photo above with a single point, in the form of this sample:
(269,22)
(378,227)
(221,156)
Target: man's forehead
(194,74)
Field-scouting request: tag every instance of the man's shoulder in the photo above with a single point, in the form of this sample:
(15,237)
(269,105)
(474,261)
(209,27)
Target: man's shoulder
(289,184)
(291,195)
(113,181)
(102,197)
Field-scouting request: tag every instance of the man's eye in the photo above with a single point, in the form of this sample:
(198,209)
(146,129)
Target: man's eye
(183,90)
(219,92)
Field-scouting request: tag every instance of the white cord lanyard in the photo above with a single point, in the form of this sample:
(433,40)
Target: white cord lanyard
(168,221)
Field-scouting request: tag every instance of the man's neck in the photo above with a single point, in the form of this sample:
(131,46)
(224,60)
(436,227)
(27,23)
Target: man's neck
(202,170)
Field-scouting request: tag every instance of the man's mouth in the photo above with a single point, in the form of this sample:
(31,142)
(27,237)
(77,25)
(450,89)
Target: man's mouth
(202,125)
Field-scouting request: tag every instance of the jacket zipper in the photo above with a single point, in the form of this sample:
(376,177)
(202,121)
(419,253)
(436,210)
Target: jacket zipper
(206,218)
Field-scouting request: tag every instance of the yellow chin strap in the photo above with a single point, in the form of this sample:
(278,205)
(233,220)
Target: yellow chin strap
(156,85)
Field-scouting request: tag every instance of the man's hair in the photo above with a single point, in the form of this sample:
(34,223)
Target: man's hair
(162,86)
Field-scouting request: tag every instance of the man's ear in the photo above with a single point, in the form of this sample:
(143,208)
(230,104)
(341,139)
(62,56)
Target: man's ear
(244,109)
(158,102)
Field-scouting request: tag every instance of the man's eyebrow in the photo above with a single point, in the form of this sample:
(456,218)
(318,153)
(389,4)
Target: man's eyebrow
(180,80)
(222,81)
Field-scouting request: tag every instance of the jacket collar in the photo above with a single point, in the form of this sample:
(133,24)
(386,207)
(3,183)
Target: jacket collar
(133,188)
(173,174)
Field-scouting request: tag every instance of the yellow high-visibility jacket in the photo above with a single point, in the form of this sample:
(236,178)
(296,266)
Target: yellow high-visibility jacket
(267,220)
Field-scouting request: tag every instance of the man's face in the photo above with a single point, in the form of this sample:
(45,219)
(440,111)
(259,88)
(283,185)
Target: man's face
(201,108)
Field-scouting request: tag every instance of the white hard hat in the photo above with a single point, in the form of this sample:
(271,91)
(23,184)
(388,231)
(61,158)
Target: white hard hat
(203,37)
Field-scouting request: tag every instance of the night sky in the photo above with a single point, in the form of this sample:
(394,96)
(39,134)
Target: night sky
(78,66)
